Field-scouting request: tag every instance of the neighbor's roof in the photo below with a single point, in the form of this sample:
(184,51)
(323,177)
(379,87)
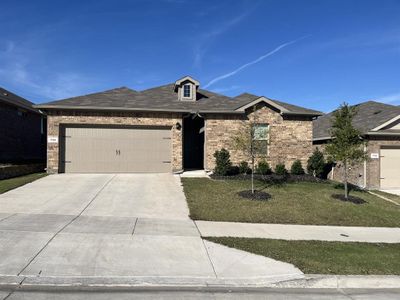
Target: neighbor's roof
(164,99)
(15,100)
(370,115)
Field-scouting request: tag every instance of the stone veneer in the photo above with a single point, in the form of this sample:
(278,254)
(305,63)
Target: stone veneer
(372,166)
(57,118)
(290,138)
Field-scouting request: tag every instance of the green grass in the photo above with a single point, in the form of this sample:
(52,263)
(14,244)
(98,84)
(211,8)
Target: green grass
(12,183)
(318,257)
(392,197)
(293,203)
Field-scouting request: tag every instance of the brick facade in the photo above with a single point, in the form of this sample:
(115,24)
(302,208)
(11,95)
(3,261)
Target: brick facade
(289,138)
(55,119)
(371,167)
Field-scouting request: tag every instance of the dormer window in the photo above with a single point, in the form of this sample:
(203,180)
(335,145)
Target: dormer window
(187,91)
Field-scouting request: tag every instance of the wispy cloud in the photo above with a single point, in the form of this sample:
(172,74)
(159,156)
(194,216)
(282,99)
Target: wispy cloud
(204,41)
(262,57)
(18,71)
(390,99)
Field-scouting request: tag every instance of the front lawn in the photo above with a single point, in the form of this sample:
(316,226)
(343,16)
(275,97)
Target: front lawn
(291,203)
(12,183)
(318,257)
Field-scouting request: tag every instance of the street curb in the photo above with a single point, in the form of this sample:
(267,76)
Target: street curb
(344,282)
(143,283)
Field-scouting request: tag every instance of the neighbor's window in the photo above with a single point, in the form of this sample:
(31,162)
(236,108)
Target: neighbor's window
(187,91)
(261,132)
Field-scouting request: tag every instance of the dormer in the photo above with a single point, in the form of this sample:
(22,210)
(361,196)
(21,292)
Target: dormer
(186,88)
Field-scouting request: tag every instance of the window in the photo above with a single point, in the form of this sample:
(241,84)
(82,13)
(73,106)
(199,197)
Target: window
(187,91)
(261,132)
(261,137)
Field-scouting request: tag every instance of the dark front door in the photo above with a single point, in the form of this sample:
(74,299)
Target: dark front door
(193,143)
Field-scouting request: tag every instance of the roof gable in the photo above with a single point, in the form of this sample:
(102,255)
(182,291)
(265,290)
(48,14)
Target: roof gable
(371,116)
(247,100)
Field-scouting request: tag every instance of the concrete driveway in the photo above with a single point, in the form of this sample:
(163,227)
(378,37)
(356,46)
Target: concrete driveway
(109,226)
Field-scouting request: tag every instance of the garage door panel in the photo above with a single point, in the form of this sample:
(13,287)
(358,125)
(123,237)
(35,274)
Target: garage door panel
(115,150)
(390,168)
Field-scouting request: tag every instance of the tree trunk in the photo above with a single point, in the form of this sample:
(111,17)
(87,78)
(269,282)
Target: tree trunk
(346,191)
(252,175)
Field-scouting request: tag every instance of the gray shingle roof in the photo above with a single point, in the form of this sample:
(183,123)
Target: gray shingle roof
(162,98)
(369,115)
(15,100)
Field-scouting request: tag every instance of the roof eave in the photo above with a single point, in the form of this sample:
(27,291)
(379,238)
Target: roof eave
(321,138)
(31,109)
(381,133)
(302,113)
(96,108)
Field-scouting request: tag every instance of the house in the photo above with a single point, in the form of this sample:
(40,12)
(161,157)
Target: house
(22,130)
(167,129)
(380,126)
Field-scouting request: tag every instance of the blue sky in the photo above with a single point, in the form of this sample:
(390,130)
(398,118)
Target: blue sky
(311,53)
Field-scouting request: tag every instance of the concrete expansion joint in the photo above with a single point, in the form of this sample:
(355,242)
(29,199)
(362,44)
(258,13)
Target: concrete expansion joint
(205,248)
(65,226)
(7,217)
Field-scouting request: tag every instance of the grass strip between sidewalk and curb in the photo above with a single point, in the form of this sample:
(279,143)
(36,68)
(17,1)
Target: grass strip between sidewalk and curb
(12,183)
(320,257)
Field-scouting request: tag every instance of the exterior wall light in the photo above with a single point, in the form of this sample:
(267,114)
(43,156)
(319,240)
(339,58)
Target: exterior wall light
(178,126)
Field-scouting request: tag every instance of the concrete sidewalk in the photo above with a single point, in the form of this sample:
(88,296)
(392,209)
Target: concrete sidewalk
(300,232)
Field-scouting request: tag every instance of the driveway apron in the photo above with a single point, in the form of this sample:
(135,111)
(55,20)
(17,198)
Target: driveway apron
(114,225)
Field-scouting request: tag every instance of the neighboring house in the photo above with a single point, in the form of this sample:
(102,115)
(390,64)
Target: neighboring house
(380,126)
(167,129)
(22,130)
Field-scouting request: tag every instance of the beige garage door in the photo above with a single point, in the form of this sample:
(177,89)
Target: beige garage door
(390,168)
(116,150)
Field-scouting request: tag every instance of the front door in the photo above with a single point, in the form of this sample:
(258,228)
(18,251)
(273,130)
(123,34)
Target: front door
(193,142)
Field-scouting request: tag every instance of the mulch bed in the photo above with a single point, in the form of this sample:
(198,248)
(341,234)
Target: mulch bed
(258,195)
(271,178)
(352,199)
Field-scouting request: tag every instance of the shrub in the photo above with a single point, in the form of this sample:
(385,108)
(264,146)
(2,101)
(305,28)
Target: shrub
(234,170)
(244,168)
(263,168)
(280,169)
(316,163)
(297,168)
(222,162)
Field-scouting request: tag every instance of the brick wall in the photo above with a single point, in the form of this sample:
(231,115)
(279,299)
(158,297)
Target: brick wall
(289,138)
(55,118)
(372,165)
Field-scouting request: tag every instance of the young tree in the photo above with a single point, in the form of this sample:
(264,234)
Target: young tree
(347,144)
(316,163)
(252,141)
